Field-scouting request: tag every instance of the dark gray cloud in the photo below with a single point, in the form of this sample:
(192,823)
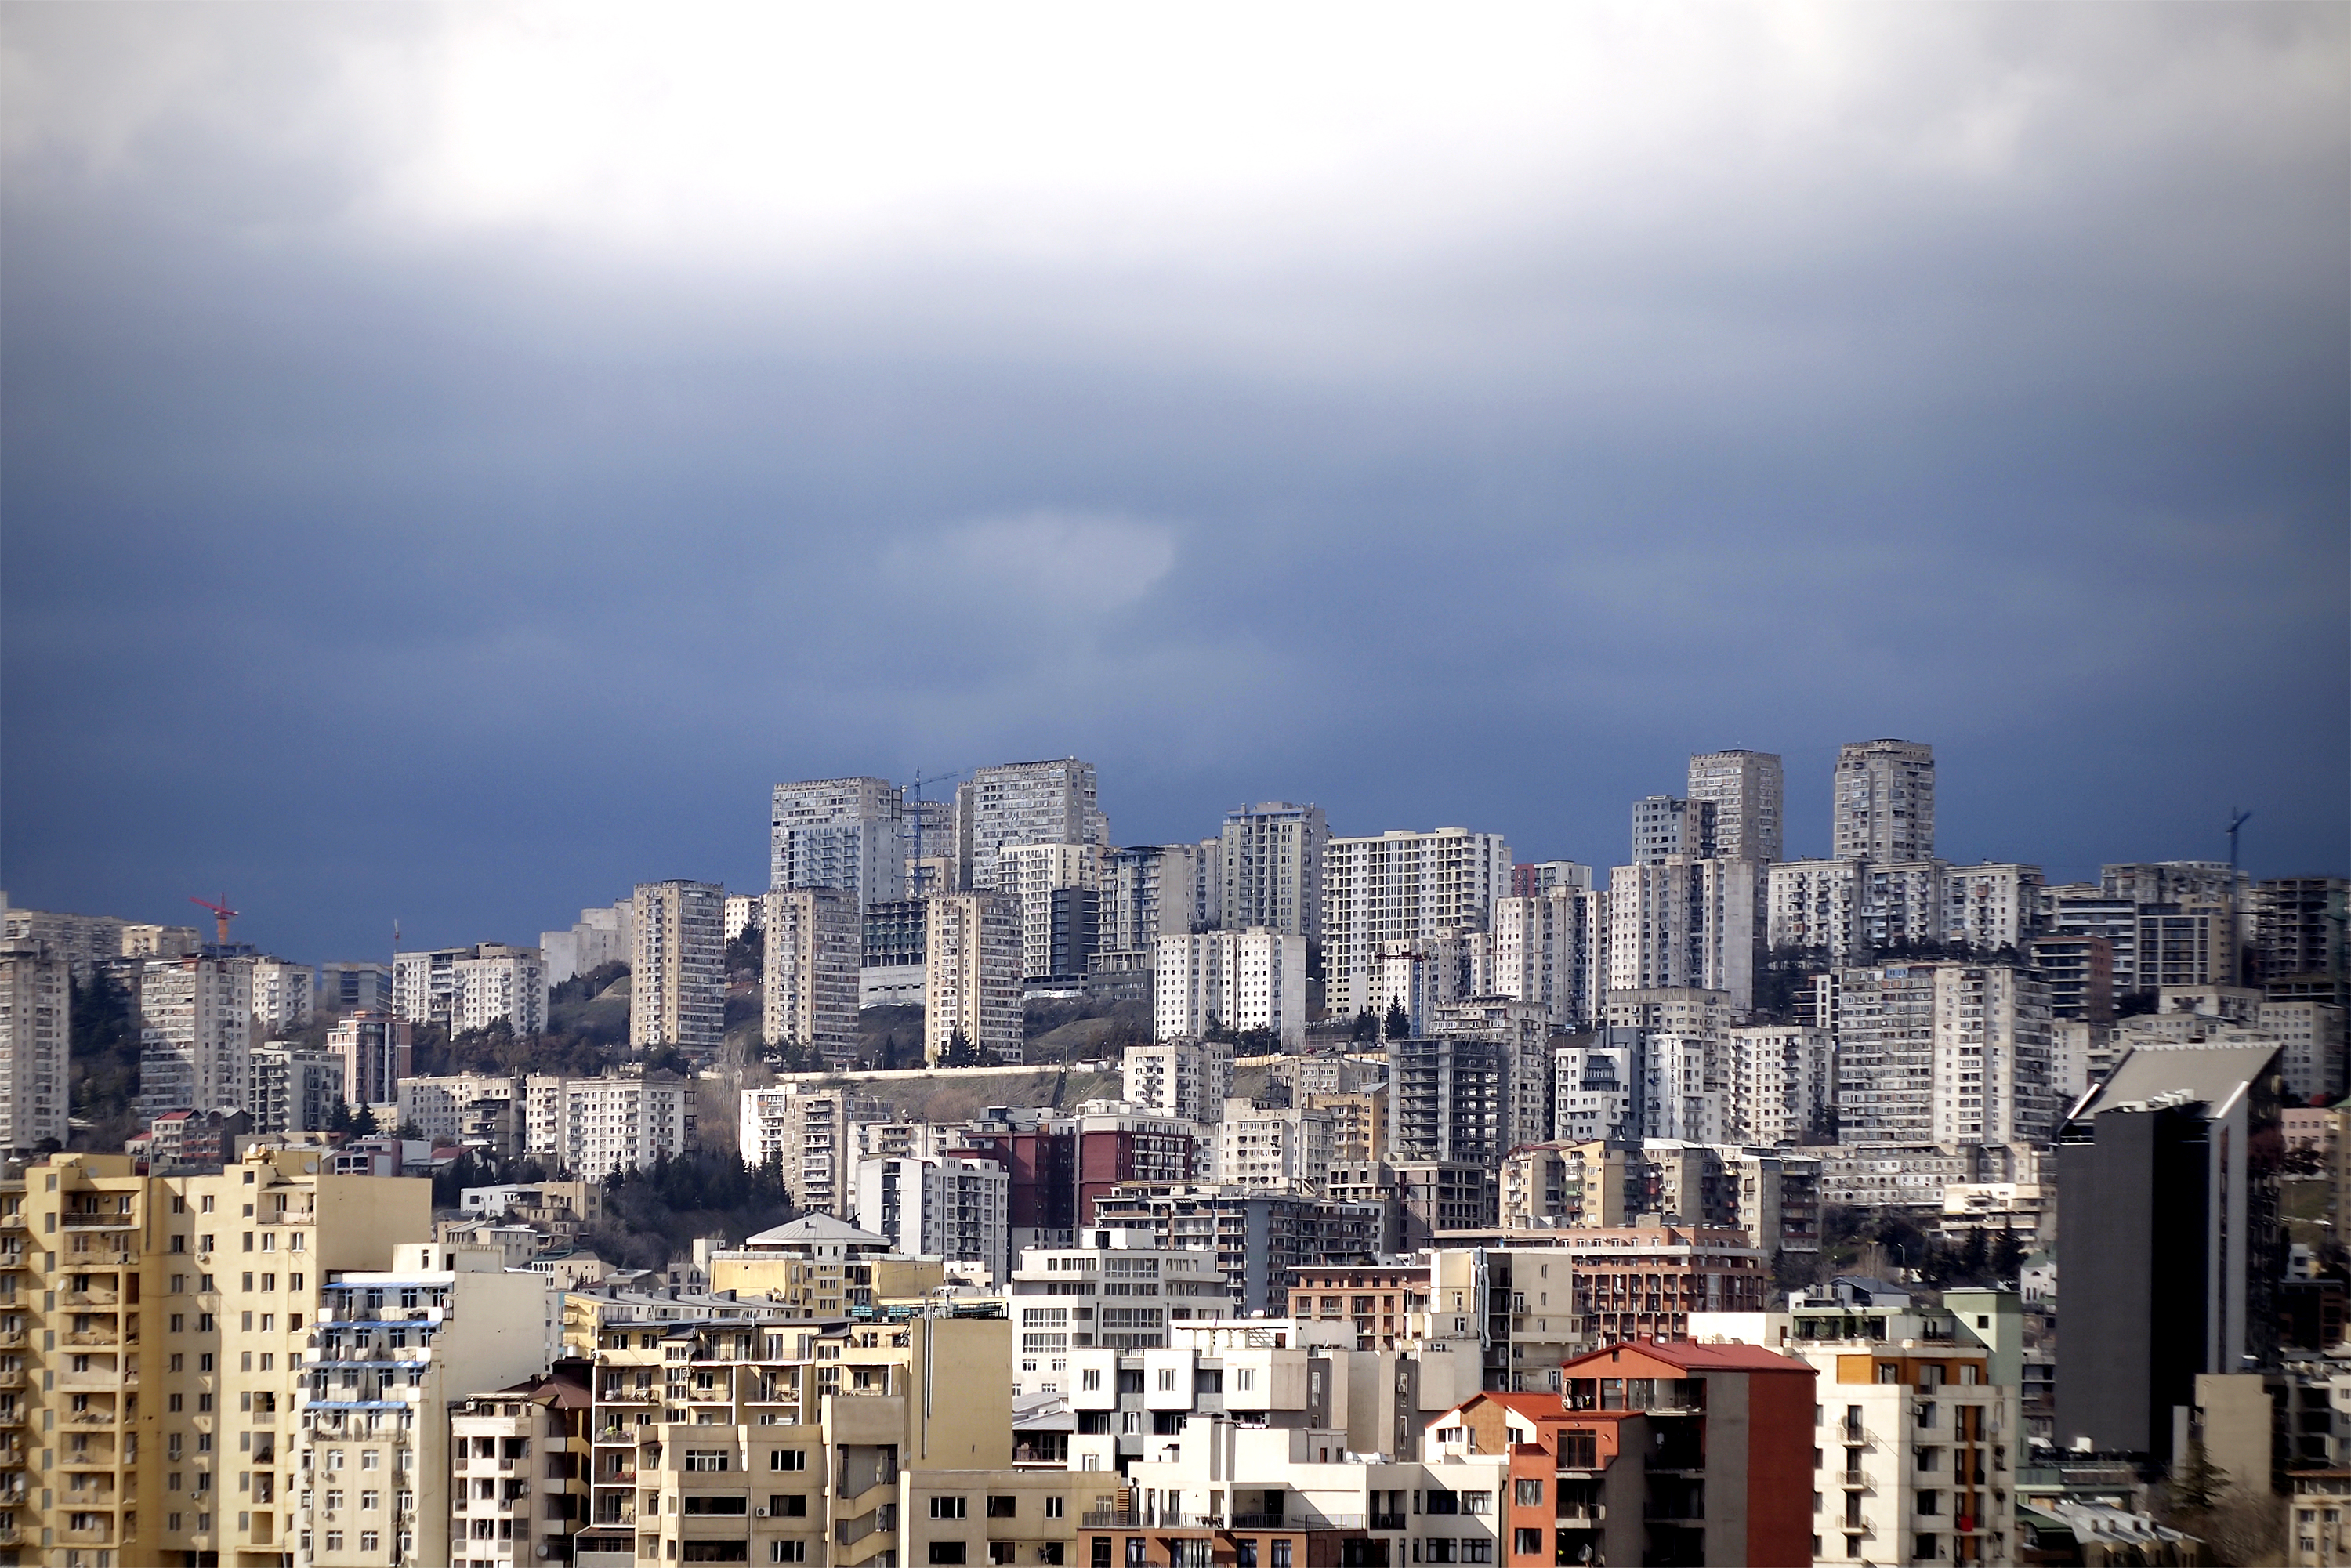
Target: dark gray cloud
(462,535)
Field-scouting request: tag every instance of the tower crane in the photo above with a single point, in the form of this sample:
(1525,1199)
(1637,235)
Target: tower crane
(222,915)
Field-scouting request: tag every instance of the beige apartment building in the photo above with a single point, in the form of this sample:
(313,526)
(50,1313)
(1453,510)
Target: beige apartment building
(972,974)
(151,1330)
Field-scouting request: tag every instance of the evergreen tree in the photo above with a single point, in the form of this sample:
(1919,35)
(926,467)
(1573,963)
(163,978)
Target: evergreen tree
(2008,1255)
(960,1051)
(2196,1482)
(1398,1027)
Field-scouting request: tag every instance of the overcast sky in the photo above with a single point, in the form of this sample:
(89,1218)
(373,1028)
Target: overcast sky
(456,461)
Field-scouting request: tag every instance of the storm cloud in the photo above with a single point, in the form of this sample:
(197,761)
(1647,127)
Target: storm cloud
(456,460)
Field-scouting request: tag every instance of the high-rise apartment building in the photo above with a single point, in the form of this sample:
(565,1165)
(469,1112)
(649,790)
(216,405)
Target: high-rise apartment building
(87,941)
(195,1036)
(812,1133)
(1535,879)
(1778,1085)
(1240,981)
(1543,949)
(1272,866)
(1745,791)
(1147,893)
(1478,1086)
(619,1121)
(1035,875)
(1813,903)
(1942,1053)
(972,974)
(677,985)
(295,1090)
(1885,806)
(392,1350)
(606,934)
(1186,1079)
(1286,1147)
(843,834)
(1664,825)
(464,989)
(163,1322)
(941,1205)
(377,1051)
(281,996)
(815,938)
(1685,923)
(1381,890)
(35,1007)
(487,1111)
(2299,938)
(1048,802)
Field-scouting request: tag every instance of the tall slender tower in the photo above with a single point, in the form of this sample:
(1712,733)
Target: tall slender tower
(1884,801)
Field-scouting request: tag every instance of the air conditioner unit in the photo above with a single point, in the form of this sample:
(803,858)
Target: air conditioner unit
(759,1512)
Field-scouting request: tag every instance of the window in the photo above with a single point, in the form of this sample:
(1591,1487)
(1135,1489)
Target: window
(788,1552)
(1526,1542)
(946,1551)
(708,1459)
(1053,1508)
(1245,1553)
(1244,1379)
(1926,1547)
(370,1502)
(1166,1380)
(370,1540)
(1100,1556)
(1529,1492)
(1476,1548)
(1281,1554)
(737,1507)
(1134,1558)
(1001,1552)
(788,1505)
(947,1508)
(787,1459)
(1003,1507)
(370,1458)
(1090,1380)
(1477,1502)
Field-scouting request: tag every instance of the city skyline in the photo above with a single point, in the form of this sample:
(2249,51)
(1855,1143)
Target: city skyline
(462,511)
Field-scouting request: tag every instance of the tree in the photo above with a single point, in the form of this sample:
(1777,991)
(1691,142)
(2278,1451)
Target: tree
(2008,1255)
(1367,1026)
(1397,1026)
(960,1051)
(2196,1482)
(363,1123)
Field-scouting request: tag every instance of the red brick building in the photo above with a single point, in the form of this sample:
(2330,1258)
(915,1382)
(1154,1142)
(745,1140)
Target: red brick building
(1673,1454)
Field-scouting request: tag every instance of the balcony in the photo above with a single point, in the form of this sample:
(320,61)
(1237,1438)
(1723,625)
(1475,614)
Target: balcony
(1387,1522)
(91,1337)
(101,1221)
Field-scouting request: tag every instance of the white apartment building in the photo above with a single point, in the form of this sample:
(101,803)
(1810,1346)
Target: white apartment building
(1667,825)
(1536,879)
(36,1008)
(1396,886)
(1746,791)
(1941,1053)
(813,1135)
(1684,1090)
(1146,893)
(1286,1148)
(971,981)
(844,833)
(1119,1293)
(1779,1083)
(1687,924)
(281,996)
(195,1034)
(295,1090)
(677,985)
(465,988)
(940,1205)
(444,1109)
(1049,802)
(1543,950)
(1253,979)
(389,1352)
(815,942)
(1813,903)
(1598,1088)
(377,1051)
(739,913)
(1991,905)
(1032,873)
(601,936)
(1270,862)
(2310,1037)
(1186,1079)
(622,1122)
(1884,805)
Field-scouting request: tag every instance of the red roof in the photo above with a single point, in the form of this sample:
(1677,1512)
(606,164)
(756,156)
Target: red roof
(1693,1357)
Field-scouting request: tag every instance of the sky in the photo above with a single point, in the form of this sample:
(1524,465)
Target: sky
(453,462)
